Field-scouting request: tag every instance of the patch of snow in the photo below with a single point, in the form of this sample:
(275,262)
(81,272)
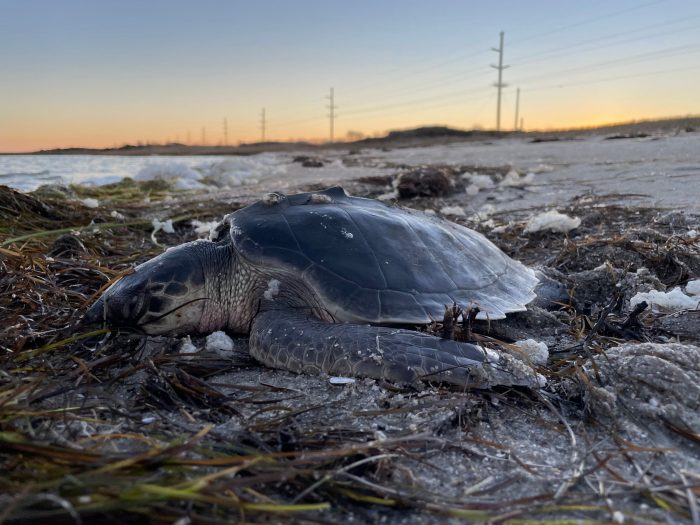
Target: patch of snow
(537,352)
(116,215)
(691,233)
(456,211)
(219,342)
(146,420)
(552,221)
(90,202)
(674,300)
(273,288)
(693,287)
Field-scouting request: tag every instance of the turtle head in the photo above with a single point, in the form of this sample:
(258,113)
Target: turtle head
(166,294)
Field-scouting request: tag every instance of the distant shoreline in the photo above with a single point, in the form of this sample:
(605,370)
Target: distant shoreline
(426,135)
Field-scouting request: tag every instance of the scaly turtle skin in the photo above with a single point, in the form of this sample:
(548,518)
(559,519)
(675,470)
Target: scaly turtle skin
(313,276)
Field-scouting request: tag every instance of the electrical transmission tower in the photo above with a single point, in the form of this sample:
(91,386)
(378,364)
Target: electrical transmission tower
(225,132)
(500,85)
(517,109)
(332,107)
(262,125)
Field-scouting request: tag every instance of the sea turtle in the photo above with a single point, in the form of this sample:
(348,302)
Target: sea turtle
(323,283)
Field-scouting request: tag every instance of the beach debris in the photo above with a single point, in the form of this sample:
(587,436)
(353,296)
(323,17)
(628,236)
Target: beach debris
(307,161)
(423,182)
(67,245)
(666,301)
(552,221)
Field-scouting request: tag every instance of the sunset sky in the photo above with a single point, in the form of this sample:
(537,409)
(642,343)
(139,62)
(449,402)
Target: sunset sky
(104,73)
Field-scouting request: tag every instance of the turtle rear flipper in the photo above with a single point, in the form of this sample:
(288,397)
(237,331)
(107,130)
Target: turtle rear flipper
(292,340)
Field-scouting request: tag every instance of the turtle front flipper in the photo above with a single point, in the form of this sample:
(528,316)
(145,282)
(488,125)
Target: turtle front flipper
(292,340)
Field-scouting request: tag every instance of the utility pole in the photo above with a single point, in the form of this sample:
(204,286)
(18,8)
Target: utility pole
(332,114)
(262,125)
(517,109)
(225,132)
(204,136)
(522,126)
(500,85)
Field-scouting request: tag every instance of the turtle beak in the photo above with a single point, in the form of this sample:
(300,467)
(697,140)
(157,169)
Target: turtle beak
(95,315)
(122,305)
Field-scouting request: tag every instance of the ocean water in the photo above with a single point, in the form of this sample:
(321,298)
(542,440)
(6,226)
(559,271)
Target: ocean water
(27,172)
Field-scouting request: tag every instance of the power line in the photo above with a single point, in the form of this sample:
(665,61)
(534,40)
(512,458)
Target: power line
(617,61)
(566,50)
(500,85)
(610,79)
(589,21)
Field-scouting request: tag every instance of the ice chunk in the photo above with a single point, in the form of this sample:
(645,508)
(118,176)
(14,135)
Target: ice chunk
(478,182)
(674,300)
(90,202)
(167,171)
(186,346)
(514,180)
(341,381)
(552,221)
(693,287)
(219,342)
(537,352)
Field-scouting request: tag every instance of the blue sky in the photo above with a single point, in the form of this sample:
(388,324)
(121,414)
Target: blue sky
(101,73)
